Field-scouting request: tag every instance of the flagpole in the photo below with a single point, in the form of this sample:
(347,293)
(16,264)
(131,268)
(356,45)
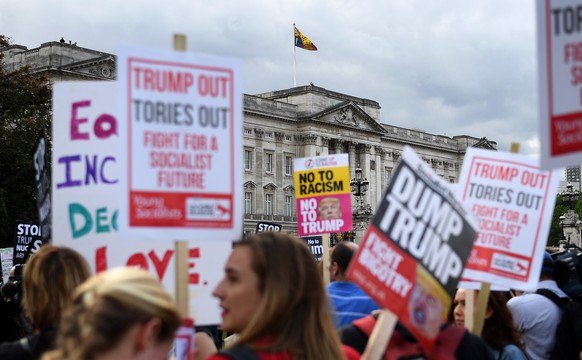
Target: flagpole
(294,56)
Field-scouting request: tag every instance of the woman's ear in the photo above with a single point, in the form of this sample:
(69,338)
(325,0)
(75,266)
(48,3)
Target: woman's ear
(148,333)
(488,312)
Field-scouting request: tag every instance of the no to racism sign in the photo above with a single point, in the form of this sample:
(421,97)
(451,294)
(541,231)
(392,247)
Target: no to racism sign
(322,191)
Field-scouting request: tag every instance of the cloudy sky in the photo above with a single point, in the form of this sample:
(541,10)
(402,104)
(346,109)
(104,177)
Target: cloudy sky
(453,67)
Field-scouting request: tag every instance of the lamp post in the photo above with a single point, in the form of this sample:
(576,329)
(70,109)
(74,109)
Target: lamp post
(361,213)
(359,187)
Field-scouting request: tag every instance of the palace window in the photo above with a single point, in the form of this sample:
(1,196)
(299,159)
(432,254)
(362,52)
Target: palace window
(288,205)
(269,162)
(248,202)
(268,204)
(248,159)
(288,165)
(387,176)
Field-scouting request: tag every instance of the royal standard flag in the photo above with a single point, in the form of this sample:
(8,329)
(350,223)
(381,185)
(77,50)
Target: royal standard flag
(303,42)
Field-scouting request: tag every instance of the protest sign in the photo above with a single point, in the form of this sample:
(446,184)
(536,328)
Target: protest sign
(43,189)
(315,244)
(266,226)
(6,255)
(322,192)
(412,255)
(85,188)
(181,159)
(27,241)
(560,82)
(514,201)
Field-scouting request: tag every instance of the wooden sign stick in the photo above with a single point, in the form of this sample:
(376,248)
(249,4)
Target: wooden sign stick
(380,337)
(482,301)
(181,247)
(469,309)
(325,258)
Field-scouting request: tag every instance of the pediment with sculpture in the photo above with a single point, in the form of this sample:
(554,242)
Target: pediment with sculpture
(347,114)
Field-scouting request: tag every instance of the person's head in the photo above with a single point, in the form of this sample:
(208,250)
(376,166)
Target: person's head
(329,208)
(49,280)
(16,272)
(124,312)
(498,327)
(547,272)
(272,287)
(12,290)
(340,257)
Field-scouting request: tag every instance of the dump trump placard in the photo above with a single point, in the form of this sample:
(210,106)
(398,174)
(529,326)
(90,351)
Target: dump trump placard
(412,255)
(560,81)
(514,201)
(322,191)
(181,122)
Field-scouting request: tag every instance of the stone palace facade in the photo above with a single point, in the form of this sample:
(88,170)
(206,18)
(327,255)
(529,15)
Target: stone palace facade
(282,125)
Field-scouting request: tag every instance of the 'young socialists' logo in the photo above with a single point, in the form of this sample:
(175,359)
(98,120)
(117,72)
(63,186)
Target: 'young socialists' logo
(309,163)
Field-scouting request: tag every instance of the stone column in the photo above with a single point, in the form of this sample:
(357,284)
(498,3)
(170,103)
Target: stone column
(309,143)
(278,207)
(324,145)
(352,159)
(378,189)
(365,150)
(339,146)
(259,171)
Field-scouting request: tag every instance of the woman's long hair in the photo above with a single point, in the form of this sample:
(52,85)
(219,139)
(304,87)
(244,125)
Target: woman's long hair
(107,306)
(49,280)
(294,313)
(499,330)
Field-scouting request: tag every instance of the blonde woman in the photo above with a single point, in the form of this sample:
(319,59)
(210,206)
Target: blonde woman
(49,279)
(273,296)
(123,313)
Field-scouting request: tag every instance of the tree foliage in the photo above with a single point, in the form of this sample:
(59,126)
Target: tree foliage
(25,113)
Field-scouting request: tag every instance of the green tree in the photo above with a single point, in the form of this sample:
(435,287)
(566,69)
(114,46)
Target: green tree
(25,113)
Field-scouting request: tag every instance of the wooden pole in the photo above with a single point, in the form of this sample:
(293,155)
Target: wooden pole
(469,309)
(482,301)
(378,341)
(325,258)
(179,42)
(181,247)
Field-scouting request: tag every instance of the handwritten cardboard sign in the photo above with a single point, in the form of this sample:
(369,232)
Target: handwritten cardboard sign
(86,199)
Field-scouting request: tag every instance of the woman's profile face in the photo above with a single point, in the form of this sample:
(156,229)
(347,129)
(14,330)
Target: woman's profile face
(459,307)
(238,292)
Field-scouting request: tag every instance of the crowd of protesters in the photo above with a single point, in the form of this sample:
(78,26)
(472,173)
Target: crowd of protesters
(273,301)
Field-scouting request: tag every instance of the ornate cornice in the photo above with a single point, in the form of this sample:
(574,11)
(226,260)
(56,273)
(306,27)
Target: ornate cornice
(380,151)
(308,139)
(270,187)
(250,185)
